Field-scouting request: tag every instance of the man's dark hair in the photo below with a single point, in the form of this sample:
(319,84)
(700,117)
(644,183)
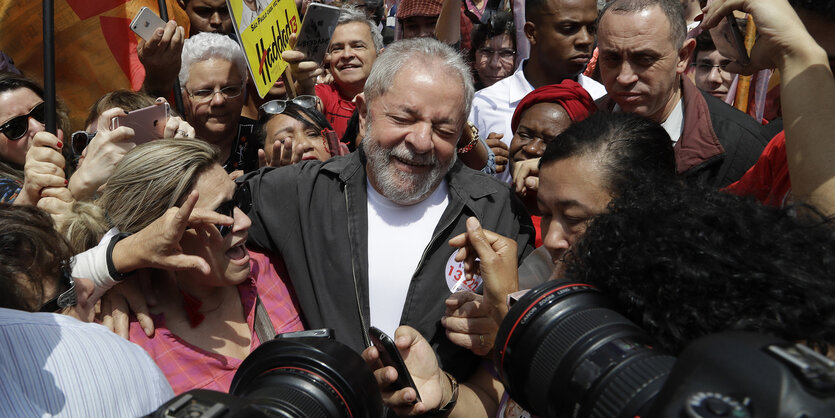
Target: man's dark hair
(533,8)
(500,23)
(683,261)
(310,118)
(704,43)
(32,253)
(671,8)
(624,145)
(824,8)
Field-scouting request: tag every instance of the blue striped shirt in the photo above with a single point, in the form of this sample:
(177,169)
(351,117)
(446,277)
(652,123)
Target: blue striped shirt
(55,365)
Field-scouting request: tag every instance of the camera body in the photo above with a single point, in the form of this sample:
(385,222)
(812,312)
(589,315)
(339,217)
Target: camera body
(304,374)
(564,351)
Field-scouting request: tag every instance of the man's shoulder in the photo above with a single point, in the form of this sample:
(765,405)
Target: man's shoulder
(725,117)
(476,184)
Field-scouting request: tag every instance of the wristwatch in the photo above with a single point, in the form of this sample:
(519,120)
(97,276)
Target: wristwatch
(446,409)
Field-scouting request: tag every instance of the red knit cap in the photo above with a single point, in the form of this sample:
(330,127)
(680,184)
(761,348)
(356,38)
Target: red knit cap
(569,94)
(411,8)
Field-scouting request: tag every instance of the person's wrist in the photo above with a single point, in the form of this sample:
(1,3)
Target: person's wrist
(449,398)
(122,257)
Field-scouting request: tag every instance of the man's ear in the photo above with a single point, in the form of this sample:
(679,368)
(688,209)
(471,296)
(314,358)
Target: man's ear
(684,55)
(362,111)
(530,32)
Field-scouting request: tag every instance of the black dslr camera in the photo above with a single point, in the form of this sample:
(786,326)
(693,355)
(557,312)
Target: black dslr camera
(562,351)
(300,374)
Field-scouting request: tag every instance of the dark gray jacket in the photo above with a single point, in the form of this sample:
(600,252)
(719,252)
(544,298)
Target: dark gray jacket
(315,215)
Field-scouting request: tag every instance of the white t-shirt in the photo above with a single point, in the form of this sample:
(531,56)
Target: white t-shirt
(397,238)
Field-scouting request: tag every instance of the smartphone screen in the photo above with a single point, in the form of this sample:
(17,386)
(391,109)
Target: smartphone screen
(390,356)
(316,31)
(147,123)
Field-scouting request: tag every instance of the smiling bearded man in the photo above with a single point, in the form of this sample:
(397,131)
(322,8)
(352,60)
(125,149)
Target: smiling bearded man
(364,236)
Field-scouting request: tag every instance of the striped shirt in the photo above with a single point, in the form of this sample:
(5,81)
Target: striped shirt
(190,367)
(55,365)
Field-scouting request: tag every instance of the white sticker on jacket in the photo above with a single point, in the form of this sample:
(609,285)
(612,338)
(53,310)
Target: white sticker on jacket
(456,280)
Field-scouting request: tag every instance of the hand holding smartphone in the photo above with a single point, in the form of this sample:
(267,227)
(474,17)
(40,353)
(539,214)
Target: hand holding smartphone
(147,123)
(317,28)
(145,23)
(390,356)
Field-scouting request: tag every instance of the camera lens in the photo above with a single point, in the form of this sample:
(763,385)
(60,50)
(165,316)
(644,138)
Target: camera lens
(562,351)
(308,377)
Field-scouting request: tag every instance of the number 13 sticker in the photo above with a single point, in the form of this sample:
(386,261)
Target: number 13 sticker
(457,280)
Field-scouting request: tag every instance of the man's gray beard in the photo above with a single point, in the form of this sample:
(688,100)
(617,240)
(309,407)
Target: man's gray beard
(418,186)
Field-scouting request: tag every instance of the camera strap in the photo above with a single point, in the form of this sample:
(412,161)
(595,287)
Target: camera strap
(263,325)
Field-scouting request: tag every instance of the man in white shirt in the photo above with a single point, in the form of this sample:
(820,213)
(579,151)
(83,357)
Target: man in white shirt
(561,34)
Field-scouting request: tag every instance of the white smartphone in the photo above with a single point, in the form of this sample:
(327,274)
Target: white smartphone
(316,31)
(147,123)
(146,23)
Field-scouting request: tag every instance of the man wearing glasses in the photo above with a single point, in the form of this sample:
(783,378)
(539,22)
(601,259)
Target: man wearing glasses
(213,77)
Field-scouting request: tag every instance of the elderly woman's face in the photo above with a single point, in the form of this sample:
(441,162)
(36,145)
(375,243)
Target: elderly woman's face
(494,60)
(227,255)
(283,127)
(539,124)
(14,103)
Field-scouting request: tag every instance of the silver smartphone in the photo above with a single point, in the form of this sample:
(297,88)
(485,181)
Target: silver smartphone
(316,31)
(145,23)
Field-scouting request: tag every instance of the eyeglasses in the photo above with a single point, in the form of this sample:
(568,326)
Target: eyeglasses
(65,299)
(506,54)
(705,68)
(277,107)
(18,126)
(204,95)
(80,139)
(242,199)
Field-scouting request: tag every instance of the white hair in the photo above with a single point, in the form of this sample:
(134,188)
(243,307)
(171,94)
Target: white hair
(351,14)
(207,45)
(428,52)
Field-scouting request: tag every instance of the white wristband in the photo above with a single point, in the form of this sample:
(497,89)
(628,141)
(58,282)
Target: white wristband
(92,264)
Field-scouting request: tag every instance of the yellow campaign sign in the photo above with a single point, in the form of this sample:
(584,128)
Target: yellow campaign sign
(264,29)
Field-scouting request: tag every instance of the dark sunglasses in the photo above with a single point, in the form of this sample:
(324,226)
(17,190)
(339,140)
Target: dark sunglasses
(80,139)
(67,298)
(17,126)
(276,107)
(242,199)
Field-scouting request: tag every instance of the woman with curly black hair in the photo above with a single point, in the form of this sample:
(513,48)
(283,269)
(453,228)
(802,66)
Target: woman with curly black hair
(684,261)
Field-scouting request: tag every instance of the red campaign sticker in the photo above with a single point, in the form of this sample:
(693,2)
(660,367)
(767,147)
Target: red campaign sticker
(457,280)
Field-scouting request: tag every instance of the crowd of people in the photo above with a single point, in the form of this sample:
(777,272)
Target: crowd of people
(442,145)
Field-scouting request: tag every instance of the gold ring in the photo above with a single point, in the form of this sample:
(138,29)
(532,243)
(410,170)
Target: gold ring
(481,339)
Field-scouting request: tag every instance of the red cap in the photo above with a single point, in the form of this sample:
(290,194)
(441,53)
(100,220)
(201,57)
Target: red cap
(411,8)
(569,94)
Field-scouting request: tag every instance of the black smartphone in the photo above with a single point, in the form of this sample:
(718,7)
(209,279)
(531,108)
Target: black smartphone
(730,40)
(390,356)
(316,31)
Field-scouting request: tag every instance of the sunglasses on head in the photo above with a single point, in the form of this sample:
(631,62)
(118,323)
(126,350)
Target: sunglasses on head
(18,126)
(242,199)
(67,298)
(276,107)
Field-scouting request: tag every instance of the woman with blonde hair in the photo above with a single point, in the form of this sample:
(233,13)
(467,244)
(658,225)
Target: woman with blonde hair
(205,317)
